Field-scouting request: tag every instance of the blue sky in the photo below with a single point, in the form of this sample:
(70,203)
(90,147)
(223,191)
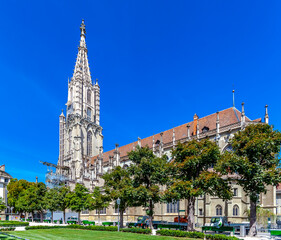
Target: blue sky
(158,63)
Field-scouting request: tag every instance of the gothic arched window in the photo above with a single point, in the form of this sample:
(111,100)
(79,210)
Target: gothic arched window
(218,210)
(70,140)
(89,143)
(235,210)
(89,95)
(89,114)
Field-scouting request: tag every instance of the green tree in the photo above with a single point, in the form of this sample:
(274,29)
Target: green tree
(52,200)
(148,174)
(15,190)
(97,201)
(63,200)
(3,205)
(191,176)
(78,199)
(118,184)
(255,160)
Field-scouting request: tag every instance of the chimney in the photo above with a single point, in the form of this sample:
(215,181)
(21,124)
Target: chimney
(266,118)
(188,132)
(139,141)
(218,126)
(174,138)
(243,116)
(195,120)
(36,180)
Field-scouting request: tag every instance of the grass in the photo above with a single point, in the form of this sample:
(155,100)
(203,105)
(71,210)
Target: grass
(76,234)
(4,237)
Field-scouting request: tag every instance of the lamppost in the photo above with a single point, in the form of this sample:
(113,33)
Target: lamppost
(118,203)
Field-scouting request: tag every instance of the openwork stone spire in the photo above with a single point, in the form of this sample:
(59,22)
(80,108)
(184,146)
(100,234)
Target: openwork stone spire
(82,70)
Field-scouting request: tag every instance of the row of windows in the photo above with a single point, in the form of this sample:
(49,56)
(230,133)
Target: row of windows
(174,207)
(235,210)
(89,96)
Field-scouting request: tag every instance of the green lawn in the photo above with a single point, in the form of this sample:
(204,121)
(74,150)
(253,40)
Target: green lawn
(76,234)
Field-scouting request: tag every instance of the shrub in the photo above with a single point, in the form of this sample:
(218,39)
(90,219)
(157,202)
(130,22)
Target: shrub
(136,230)
(219,237)
(178,233)
(7,229)
(13,223)
(43,227)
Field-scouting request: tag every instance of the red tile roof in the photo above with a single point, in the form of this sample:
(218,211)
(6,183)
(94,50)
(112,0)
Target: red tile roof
(226,117)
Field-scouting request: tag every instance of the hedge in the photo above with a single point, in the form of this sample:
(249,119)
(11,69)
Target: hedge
(136,230)
(13,223)
(178,233)
(43,227)
(219,237)
(7,229)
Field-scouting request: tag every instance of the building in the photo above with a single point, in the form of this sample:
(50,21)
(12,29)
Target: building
(81,148)
(4,181)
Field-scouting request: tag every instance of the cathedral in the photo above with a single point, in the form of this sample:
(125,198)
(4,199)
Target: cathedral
(82,159)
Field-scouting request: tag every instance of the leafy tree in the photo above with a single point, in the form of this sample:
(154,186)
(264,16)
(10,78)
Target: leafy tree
(52,200)
(191,176)
(63,200)
(118,184)
(27,200)
(255,160)
(40,203)
(3,205)
(77,200)
(148,174)
(97,201)
(15,189)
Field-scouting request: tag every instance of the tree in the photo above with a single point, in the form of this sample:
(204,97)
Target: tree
(77,200)
(255,160)
(118,184)
(52,200)
(191,175)
(3,205)
(148,174)
(97,201)
(63,200)
(15,190)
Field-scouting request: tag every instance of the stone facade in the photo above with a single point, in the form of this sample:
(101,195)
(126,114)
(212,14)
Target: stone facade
(81,149)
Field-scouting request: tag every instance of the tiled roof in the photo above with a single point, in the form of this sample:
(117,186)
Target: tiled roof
(226,117)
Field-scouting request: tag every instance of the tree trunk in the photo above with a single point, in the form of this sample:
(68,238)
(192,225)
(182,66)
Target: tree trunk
(79,218)
(41,216)
(32,216)
(253,219)
(190,218)
(121,218)
(99,217)
(150,214)
(26,216)
(52,219)
(64,217)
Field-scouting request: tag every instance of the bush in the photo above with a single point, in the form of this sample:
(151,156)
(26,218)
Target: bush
(219,237)
(7,229)
(136,230)
(43,227)
(178,233)
(13,223)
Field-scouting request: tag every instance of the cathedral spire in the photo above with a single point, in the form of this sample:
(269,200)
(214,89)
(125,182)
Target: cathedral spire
(82,70)
(83,34)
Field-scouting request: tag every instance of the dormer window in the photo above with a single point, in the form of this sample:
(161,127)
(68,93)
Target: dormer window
(157,142)
(205,129)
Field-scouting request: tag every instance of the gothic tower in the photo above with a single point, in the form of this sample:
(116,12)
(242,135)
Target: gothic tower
(80,131)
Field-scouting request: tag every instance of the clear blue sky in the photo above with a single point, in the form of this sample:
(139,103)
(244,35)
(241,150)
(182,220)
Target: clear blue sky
(158,63)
